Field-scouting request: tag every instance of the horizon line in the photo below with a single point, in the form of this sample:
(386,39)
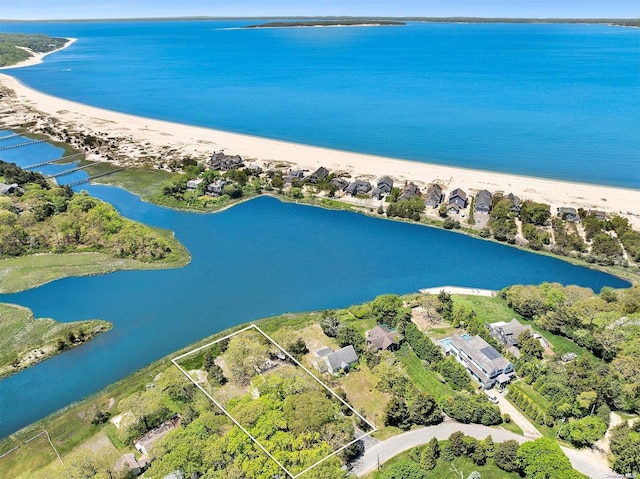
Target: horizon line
(470,19)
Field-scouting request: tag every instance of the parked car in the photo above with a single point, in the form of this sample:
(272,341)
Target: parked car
(493,399)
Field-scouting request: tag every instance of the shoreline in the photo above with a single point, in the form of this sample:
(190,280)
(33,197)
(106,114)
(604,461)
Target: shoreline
(36,57)
(141,138)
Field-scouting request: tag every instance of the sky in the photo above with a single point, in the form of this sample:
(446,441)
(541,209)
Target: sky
(86,9)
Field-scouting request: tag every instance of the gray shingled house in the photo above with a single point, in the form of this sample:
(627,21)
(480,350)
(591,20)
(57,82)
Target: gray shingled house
(483,201)
(482,361)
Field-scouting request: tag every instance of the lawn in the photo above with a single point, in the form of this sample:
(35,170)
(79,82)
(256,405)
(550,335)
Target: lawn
(360,387)
(26,341)
(495,309)
(424,379)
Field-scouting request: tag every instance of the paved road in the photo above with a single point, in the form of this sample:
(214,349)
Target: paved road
(528,429)
(583,461)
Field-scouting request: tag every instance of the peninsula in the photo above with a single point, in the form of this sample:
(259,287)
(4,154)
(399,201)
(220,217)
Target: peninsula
(23,49)
(330,23)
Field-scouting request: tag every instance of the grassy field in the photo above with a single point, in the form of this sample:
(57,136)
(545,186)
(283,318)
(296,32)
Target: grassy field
(25,272)
(25,341)
(423,378)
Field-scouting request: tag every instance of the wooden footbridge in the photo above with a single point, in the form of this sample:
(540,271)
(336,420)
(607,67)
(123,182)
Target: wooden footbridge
(20,145)
(89,178)
(43,163)
(69,171)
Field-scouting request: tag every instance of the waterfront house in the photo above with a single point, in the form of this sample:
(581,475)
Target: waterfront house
(515,202)
(318,175)
(597,214)
(193,184)
(215,188)
(434,196)
(253,170)
(507,333)
(382,337)
(221,161)
(409,191)
(385,185)
(459,198)
(335,361)
(569,214)
(294,175)
(340,183)
(483,202)
(358,187)
(145,442)
(481,360)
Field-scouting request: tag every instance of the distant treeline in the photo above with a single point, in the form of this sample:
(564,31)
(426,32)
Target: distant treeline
(627,22)
(12,46)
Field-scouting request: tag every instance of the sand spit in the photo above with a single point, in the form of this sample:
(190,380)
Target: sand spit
(130,141)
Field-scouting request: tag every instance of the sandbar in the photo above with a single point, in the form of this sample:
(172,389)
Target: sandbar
(138,139)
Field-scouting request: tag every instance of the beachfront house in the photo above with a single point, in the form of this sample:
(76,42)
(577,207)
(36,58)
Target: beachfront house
(253,170)
(384,187)
(515,202)
(318,175)
(294,175)
(335,362)
(382,337)
(459,198)
(221,161)
(358,187)
(434,196)
(340,183)
(597,214)
(483,201)
(481,360)
(569,214)
(409,191)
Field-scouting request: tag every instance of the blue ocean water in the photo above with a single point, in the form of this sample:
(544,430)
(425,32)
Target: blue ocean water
(258,259)
(557,101)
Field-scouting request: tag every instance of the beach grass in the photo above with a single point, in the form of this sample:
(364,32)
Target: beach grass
(25,272)
(143,182)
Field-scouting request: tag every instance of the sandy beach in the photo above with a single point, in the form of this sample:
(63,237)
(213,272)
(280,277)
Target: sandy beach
(134,141)
(37,57)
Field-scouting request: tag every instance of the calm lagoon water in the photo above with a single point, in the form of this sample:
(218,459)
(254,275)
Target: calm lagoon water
(557,101)
(260,258)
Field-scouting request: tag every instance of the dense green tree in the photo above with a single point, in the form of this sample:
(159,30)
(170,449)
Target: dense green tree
(505,455)
(348,334)
(543,458)
(457,446)
(424,410)
(384,309)
(535,213)
(397,414)
(246,355)
(430,454)
(585,431)
(404,469)
(329,324)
